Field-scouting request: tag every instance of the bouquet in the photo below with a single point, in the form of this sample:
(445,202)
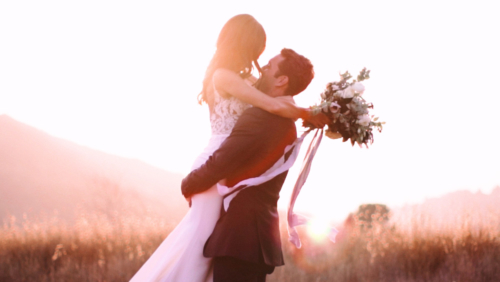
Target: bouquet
(347,110)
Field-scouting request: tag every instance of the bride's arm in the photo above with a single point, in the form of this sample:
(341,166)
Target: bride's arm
(226,81)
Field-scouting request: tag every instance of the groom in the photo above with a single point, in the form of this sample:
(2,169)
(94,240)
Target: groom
(245,243)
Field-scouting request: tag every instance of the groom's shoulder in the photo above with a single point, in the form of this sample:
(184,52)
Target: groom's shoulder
(262,115)
(254,111)
(266,122)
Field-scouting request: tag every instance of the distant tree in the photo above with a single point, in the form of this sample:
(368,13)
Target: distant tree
(369,214)
(363,220)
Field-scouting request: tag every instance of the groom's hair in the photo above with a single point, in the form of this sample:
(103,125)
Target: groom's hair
(298,69)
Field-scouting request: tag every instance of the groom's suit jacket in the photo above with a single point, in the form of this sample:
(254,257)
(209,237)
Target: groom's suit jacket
(249,230)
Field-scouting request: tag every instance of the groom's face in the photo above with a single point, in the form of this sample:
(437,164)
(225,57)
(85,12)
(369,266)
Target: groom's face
(268,81)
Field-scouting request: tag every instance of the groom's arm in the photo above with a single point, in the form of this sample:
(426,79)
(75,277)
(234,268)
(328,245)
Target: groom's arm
(258,138)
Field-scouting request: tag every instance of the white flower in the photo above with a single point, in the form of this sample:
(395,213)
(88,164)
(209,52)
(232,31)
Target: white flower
(334,87)
(348,93)
(339,94)
(332,135)
(334,107)
(358,87)
(323,96)
(364,120)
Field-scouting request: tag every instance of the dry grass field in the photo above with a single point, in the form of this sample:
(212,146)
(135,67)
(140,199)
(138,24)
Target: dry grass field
(112,248)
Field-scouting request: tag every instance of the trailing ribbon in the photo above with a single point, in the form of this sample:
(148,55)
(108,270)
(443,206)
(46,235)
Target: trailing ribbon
(279,167)
(297,219)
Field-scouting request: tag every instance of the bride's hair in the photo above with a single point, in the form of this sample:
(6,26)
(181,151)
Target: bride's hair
(241,42)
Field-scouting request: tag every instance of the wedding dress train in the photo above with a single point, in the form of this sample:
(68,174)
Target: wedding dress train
(180,255)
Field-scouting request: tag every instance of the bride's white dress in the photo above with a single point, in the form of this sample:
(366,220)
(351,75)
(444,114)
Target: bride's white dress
(180,255)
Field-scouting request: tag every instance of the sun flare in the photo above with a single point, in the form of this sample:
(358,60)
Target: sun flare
(318,229)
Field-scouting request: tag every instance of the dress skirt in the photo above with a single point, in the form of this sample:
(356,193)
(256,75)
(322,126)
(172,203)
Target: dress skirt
(180,255)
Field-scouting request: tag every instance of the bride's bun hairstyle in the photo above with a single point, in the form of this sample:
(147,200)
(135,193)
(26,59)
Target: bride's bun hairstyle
(241,42)
(299,70)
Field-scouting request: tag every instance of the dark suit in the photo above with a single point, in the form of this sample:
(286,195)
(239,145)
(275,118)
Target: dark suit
(249,230)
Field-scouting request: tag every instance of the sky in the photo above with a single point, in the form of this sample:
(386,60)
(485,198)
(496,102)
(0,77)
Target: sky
(122,77)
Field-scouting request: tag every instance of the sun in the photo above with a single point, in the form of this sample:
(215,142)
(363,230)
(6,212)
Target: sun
(318,229)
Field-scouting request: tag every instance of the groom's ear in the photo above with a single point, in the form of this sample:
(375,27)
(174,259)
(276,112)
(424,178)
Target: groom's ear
(282,80)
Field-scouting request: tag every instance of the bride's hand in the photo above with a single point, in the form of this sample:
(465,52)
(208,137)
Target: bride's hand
(287,108)
(318,121)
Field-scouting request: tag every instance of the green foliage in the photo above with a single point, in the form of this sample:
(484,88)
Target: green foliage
(363,75)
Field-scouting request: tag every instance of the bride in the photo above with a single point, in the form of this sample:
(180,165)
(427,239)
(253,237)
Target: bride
(228,92)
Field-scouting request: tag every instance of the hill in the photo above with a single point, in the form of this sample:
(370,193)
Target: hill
(42,174)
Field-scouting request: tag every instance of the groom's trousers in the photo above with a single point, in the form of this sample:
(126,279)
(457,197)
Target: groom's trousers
(228,269)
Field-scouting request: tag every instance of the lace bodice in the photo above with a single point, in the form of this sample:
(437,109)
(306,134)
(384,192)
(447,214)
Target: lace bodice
(225,112)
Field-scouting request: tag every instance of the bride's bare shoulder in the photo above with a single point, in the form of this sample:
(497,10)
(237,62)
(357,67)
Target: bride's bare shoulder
(221,79)
(222,75)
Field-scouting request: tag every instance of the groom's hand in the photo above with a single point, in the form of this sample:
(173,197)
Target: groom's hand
(189,199)
(187,194)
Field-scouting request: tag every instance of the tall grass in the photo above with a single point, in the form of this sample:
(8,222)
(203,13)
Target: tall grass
(96,248)
(386,252)
(112,248)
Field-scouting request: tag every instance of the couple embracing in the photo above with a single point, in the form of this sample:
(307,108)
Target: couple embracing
(252,124)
